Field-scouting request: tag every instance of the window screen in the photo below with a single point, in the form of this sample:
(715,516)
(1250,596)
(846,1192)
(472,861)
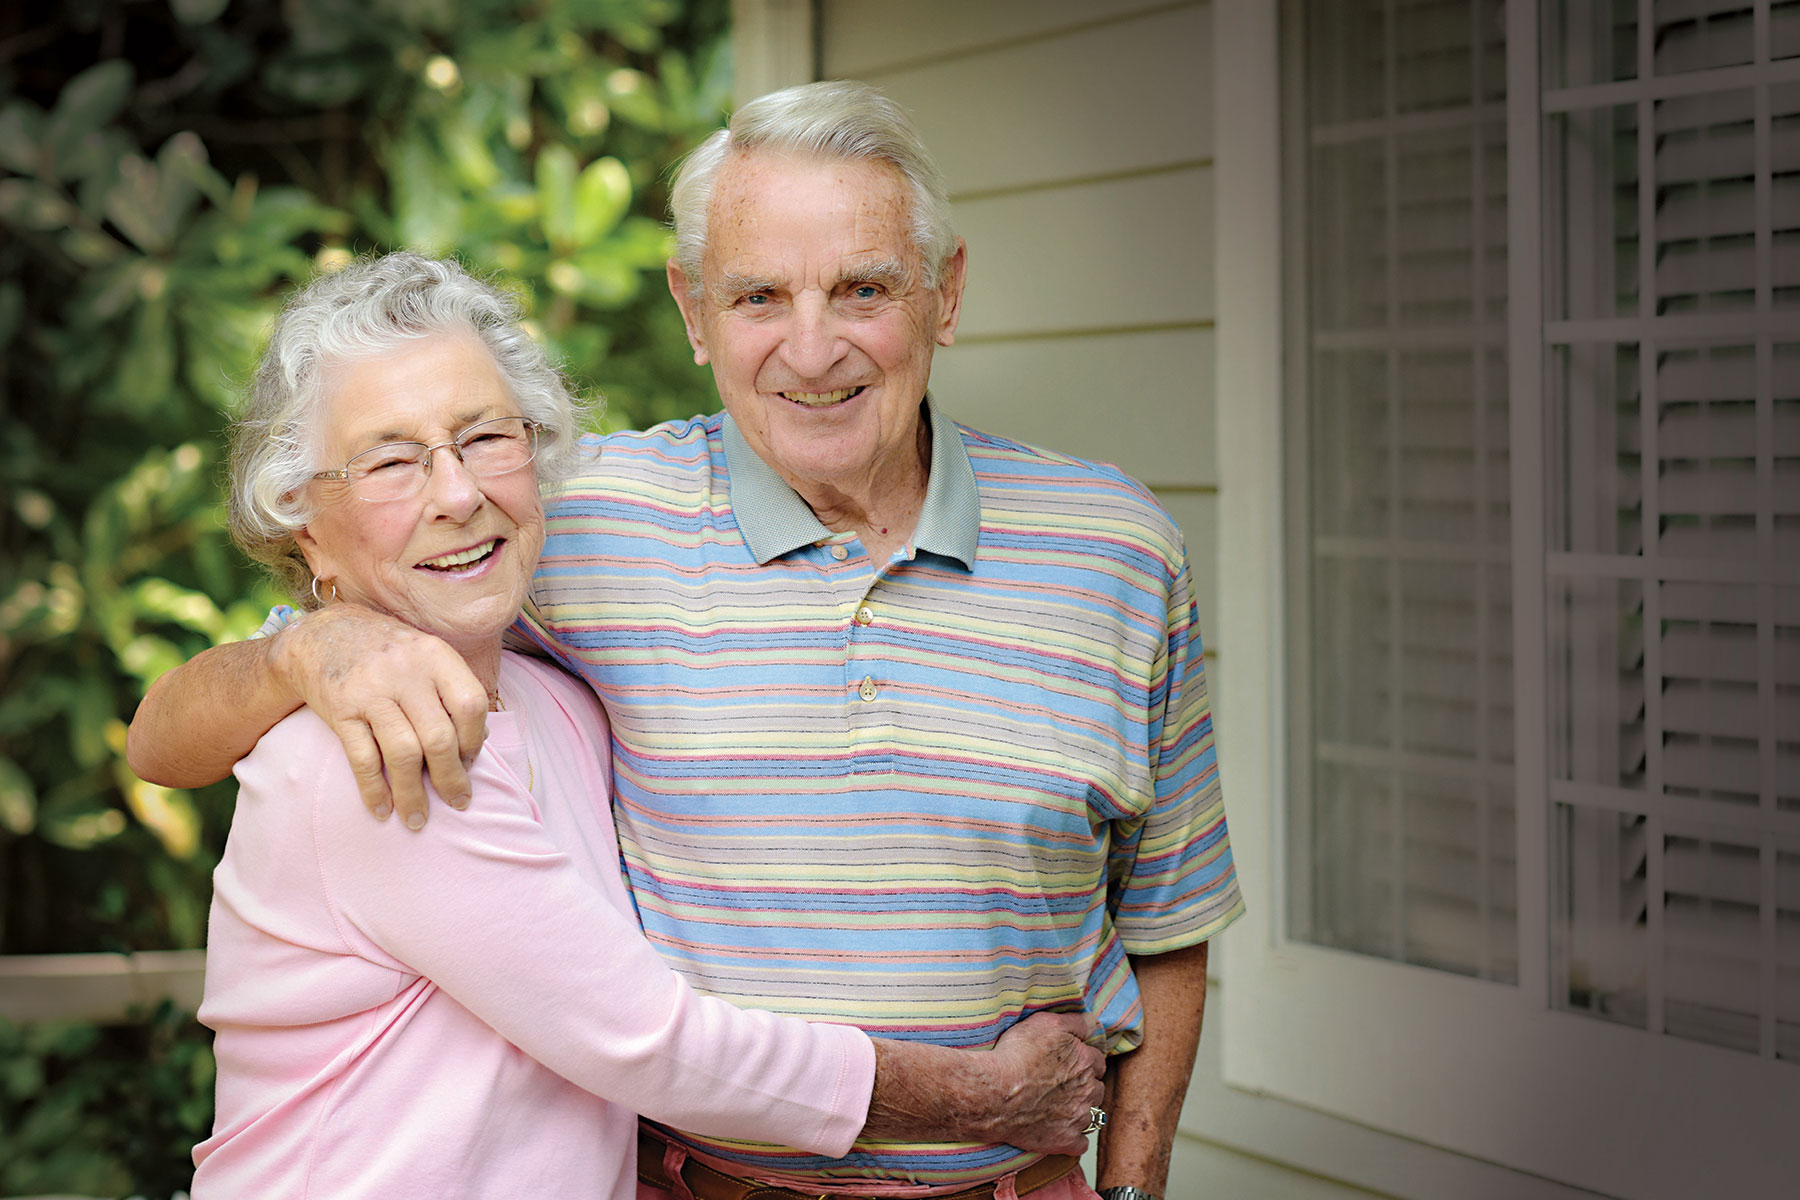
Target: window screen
(1401,840)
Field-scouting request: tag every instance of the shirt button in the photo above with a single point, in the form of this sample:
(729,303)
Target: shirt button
(838,552)
(864,615)
(867,690)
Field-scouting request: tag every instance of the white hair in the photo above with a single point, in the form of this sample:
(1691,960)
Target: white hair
(833,119)
(368,308)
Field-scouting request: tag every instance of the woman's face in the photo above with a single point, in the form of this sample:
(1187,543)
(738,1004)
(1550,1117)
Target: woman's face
(453,559)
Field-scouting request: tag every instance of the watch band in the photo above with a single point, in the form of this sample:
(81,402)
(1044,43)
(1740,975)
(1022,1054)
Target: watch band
(1127,1193)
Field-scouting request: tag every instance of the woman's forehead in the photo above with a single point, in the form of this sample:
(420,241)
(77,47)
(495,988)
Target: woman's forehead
(431,387)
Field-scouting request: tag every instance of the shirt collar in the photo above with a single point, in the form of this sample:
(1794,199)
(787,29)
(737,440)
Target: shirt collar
(775,520)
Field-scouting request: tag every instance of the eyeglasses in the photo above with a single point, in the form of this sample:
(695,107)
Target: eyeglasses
(399,469)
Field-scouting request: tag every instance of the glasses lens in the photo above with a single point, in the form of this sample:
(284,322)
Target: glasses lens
(397,470)
(496,447)
(388,472)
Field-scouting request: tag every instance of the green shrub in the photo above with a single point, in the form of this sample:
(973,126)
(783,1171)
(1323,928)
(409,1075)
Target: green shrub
(103,1111)
(167,170)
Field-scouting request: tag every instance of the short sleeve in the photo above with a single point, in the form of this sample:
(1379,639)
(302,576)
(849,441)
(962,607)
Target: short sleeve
(1172,882)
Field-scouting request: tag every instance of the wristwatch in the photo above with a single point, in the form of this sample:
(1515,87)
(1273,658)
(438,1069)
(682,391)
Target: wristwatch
(1128,1193)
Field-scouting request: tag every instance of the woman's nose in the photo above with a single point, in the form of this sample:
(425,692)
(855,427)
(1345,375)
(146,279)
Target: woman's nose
(451,486)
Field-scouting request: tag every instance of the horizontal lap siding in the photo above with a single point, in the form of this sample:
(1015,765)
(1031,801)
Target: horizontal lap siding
(1134,379)
(1119,254)
(1077,139)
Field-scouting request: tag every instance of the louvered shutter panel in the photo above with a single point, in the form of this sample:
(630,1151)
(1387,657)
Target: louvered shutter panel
(1673,275)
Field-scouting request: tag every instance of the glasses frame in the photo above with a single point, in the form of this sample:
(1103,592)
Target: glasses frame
(535,430)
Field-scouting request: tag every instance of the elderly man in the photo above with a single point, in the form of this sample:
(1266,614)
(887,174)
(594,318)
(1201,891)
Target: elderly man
(910,725)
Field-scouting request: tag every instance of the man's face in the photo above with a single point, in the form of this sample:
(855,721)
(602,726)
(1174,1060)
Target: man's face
(816,316)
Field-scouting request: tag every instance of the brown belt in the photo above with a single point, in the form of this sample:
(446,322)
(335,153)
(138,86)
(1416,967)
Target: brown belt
(708,1184)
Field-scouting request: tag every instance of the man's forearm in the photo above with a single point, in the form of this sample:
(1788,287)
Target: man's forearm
(1145,1088)
(197,720)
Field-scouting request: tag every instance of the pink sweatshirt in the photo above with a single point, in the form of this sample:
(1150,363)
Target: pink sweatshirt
(471,1011)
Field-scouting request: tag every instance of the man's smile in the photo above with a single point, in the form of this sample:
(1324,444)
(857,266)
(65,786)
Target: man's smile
(821,399)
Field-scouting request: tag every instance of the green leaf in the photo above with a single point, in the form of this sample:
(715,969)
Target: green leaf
(88,102)
(427,209)
(318,80)
(277,215)
(30,205)
(77,813)
(147,368)
(159,600)
(18,799)
(21,124)
(602,197)
(643,243)
(12,306)
(23,710)
(197,12)
(184,157)
(467,149)
(151,200)
(556,194)
(633,96)
(148,659)
(88,717)
(604,281)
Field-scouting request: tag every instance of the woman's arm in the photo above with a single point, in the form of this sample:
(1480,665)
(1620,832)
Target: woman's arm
(492,911)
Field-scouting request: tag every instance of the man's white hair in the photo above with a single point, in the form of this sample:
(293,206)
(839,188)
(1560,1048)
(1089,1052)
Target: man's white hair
(833,119)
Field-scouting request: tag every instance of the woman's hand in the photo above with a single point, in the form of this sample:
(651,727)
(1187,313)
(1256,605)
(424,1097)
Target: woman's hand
(400,700)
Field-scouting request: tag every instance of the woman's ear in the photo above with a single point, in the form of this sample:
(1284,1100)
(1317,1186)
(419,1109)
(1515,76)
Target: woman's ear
(317,561)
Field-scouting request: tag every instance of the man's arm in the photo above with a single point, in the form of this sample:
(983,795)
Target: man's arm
(399,699)
(196,721)
(1145,1088)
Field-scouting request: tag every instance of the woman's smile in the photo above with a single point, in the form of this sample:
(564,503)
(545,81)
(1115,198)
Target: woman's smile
(464,563)
(455,557)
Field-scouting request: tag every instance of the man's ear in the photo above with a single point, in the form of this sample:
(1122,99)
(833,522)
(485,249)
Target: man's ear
(689,304)
(950,293)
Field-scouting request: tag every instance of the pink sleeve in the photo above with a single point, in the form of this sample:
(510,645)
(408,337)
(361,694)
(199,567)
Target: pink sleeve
(487,907)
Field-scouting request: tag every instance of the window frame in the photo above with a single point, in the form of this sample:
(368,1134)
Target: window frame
(1481,1069)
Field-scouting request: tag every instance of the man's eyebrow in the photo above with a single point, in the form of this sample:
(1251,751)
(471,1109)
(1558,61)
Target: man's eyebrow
(732,283)
(889,272)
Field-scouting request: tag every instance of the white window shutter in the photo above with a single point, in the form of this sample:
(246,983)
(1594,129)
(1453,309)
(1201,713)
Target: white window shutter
(1675,514)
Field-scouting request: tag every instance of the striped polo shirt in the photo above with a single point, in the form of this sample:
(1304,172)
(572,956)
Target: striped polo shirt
(925,796)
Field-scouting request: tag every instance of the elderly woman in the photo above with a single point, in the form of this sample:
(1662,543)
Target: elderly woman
(472,1010)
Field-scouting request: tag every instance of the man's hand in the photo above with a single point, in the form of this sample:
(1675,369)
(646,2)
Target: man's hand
(1033,1089)
(1056,1081)
(400,700)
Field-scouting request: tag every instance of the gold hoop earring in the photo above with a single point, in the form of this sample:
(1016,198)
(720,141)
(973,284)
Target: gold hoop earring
(322,602)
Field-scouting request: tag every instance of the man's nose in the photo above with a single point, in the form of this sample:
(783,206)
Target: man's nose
(814,342)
